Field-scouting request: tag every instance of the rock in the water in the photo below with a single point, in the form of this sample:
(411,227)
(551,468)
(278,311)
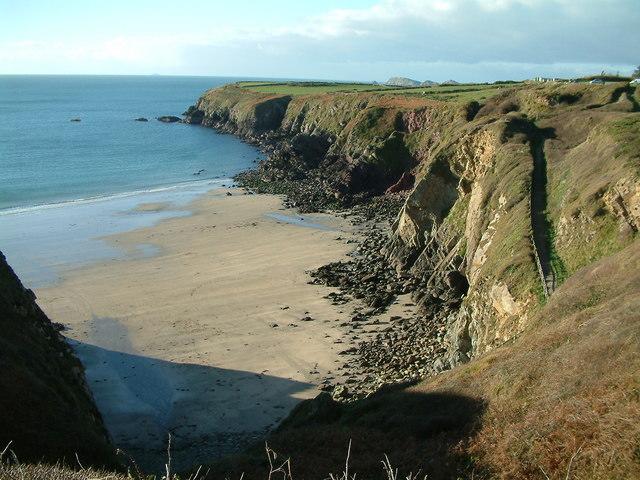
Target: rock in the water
(75,120)
(141,119)
(168,119)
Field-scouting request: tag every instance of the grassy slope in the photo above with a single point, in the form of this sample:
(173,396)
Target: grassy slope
(306,88)
(477,92)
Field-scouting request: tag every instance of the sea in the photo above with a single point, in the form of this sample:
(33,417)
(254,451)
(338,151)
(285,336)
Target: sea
(66,184)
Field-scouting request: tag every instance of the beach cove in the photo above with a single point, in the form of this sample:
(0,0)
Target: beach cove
(214,337)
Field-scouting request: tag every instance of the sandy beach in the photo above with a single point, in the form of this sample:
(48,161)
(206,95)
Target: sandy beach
(217,336)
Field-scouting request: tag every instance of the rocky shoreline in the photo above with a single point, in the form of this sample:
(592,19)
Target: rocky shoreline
(384,347)
(381,349)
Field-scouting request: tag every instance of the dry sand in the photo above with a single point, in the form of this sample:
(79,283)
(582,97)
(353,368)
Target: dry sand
(206,338)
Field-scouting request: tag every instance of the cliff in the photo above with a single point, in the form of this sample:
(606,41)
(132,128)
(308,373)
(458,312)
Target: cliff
(519,233)
(47,412)
(513,193)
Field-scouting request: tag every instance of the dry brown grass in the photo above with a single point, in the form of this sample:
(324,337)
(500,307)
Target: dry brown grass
(279,467)
(570,387)
(11,468)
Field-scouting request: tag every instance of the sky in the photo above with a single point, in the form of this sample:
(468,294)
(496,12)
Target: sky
(363,40)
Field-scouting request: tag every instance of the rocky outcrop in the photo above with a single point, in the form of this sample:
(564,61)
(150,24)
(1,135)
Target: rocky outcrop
(348,149)
(405,182)
(46,409)
(168,119)
(623,200)
(402,82)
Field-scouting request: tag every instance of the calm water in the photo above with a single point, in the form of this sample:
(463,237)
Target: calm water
(46,158)
(64,185)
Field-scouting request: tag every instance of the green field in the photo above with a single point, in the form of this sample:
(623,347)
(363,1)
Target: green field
(306,88)
(461,93)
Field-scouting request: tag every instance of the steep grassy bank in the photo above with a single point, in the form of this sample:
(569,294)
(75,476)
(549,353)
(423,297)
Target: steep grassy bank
(46,410)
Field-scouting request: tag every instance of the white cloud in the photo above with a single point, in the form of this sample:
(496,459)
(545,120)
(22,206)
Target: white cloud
(444,34)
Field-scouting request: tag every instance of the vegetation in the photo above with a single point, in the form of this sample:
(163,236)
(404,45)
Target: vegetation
(309,88)
(46,410)
(460,93)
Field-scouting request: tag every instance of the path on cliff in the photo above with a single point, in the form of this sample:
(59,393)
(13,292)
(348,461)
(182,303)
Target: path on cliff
(541,229)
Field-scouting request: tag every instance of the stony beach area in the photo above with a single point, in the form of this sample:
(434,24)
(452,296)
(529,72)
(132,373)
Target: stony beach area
(240,315)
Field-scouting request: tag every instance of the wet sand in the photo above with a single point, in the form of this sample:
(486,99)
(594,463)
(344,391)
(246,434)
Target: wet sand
(206,338)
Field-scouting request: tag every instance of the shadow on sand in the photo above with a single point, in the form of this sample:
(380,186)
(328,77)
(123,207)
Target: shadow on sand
(208,411)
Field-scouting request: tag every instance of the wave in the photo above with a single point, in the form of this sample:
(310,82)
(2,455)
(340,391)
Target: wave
(113,196)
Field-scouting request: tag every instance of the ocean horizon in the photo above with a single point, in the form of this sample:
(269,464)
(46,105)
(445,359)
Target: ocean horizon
(46,158)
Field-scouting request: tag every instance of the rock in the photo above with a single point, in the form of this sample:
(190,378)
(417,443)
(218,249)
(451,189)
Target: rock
(168,119)
(402,82)
(405,182)
(75,120)
(340,392)
(141,119)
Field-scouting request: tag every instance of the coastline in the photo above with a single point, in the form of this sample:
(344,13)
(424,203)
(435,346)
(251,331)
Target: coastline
(222,314)
(43,242)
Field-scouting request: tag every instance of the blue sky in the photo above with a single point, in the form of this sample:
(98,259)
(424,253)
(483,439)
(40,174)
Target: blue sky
(467,40)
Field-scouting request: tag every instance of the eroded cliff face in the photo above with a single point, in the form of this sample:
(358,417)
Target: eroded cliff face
(351,145)
(46,409)
(470,212)
(509,198)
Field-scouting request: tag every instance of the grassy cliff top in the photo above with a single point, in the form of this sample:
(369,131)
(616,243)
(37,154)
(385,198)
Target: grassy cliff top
(463,92)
